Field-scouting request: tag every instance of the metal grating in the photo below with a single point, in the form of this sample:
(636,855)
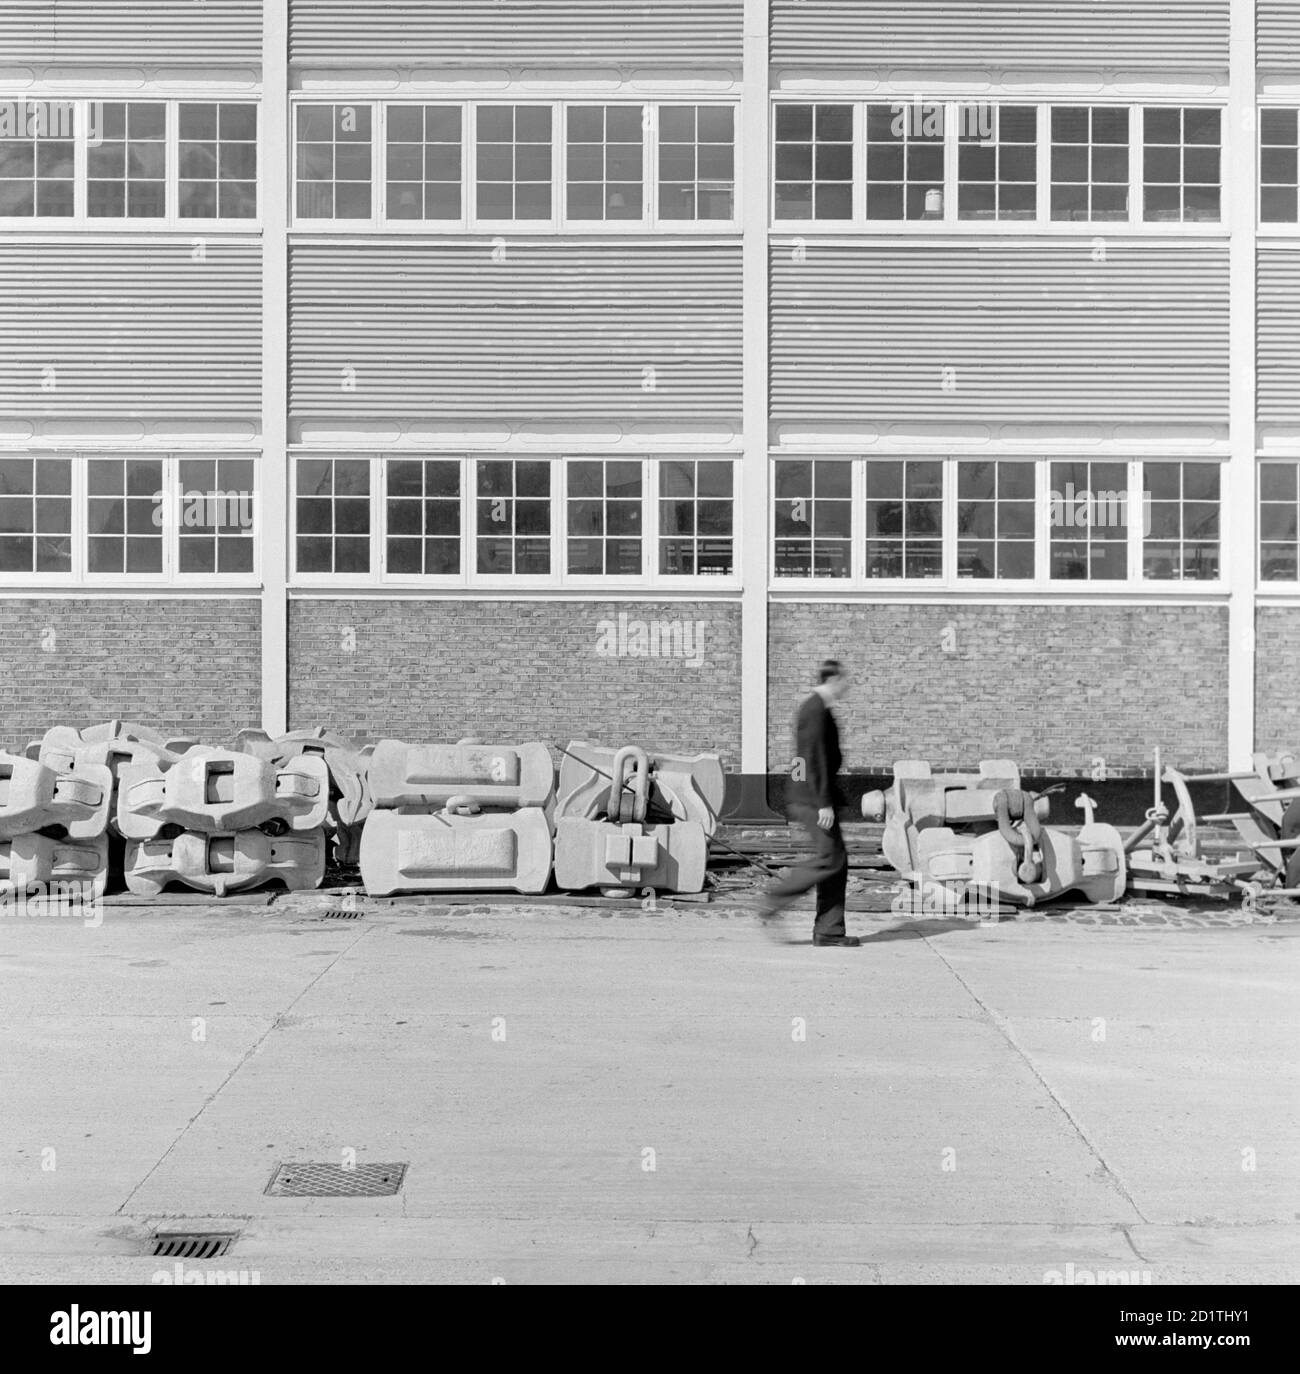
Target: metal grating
(192,1244)
(333,1180)
(342,913)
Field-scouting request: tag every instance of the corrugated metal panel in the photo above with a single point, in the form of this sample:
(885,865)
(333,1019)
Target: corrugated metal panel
(1278,361)
(1062,33)
(558,330)
(133,31)
(531,31)
(1035,331)
(131,329)
(1277,34)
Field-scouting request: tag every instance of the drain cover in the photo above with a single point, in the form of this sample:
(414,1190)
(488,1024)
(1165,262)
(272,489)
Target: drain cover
(333,1180)
(192,1244)
(342,913)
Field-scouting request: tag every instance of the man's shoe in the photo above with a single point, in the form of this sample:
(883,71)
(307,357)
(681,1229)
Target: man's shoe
(839,941)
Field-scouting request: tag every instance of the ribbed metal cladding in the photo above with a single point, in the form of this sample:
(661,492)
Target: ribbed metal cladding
(1277,34)
(1045,33)
(683,32)
(1033,331)
(132,31)
(1278,323)
(130,328)
(558,330)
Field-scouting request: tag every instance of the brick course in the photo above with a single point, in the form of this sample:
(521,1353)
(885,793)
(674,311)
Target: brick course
(516,670)
(186,666)
(1078,682)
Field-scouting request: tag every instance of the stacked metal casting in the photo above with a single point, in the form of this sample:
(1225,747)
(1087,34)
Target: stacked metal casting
(458,817)
(952,834)
(627,820)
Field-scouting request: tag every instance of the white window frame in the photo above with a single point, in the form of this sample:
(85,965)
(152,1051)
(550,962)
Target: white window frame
(962,587)
(170,576)
(559,578)
(1272,228)
(377,183)
(80,219)
(1287,586)
(1043,224)
(470,220)
(75,572)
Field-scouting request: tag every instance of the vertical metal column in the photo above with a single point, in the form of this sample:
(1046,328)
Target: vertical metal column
(274,192)
(755,469)
(1240,538)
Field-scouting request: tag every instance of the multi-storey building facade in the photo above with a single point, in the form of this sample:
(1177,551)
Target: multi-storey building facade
(582,368)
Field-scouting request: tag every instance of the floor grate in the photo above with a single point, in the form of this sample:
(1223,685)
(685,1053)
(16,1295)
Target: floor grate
(192,1244)
(341,913)
(333,1180)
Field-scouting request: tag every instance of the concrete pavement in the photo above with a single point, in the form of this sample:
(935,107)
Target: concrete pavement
(650,1097)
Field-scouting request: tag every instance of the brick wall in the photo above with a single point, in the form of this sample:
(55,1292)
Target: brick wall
(442,670)
(1277,678)
(186,666)
(1076,683)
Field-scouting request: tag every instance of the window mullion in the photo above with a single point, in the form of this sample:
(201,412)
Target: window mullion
(650,520)
(80,163)
(559,163)
(859,208)
(650,166)
(1134,531)
(1137,164)
(379,162)
(1043,138)
(948,522)
(951,130)
(376,514)
(171,163)
(857,522)
(1043,521)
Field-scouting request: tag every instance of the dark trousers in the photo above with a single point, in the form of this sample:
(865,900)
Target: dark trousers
(827,870)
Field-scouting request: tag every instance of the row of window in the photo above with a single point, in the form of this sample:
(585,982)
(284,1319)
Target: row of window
(451,165)
(950,163)
(155,160)
(468,521)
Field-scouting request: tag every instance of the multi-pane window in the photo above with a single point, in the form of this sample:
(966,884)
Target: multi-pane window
(125,515)
(604,517)
(215,515)
(424,162)
(604,162)
(1090,163)
(37,162)
(513,156)
(217,171)
(334,170)
(513,517)
(814,162)
(697,157)
(995,520)
(332,513)
(813,509)
(422,517)
(904,518)
(1181,171)
(126,175)
(1278,173)
(1181,522)
(1090,511)
(35,515)
(904,162)
(997,166)
(1279,505)
(696,517)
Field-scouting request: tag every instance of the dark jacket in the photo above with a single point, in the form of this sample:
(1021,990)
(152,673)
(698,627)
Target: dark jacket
(817,745)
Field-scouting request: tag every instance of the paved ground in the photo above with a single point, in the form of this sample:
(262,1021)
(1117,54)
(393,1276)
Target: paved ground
(660,1096)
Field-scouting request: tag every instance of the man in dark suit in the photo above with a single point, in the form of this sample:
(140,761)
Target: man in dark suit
(812,798)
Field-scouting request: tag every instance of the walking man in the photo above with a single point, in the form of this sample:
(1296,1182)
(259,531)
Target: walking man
(811,801)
